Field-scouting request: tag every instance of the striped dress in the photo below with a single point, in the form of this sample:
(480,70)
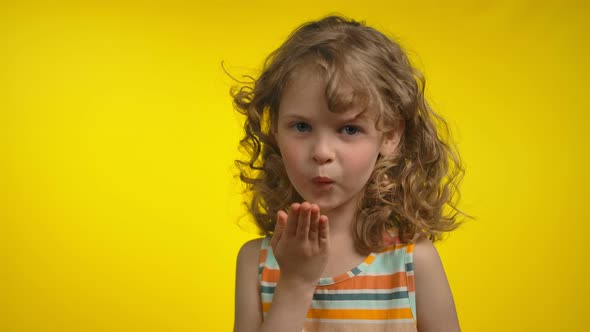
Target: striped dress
(377,295)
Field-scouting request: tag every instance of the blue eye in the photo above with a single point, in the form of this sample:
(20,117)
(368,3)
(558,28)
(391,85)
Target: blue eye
(302,127)
(350,130)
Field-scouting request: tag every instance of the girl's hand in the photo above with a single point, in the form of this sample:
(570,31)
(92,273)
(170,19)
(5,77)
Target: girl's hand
(300,243)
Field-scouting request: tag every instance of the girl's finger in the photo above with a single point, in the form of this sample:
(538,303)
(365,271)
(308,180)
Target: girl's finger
(293,216)
(324,234)
(279,228)
(303,226)
(314,224)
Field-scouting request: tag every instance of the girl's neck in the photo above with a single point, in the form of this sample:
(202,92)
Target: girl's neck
(340,219)
(340,222)
(343,255)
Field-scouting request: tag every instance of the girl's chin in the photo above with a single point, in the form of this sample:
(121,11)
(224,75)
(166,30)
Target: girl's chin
(326,206)
(322,203)
(328,201)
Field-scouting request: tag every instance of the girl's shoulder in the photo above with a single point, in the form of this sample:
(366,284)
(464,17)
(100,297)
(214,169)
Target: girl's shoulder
(248,257)
(248,313)
(250,250)
(426,254)
(434,298)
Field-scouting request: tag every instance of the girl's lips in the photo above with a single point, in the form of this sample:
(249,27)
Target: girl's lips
(322,179)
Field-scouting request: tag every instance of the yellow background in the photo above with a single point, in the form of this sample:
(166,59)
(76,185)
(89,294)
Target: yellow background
(118,207)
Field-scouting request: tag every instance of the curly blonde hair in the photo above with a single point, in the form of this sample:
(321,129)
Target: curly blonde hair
(413,190)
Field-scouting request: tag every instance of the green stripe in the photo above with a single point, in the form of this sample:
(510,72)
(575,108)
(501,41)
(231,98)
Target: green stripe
(266,289)
(370,304)
(361,296)
(348,297)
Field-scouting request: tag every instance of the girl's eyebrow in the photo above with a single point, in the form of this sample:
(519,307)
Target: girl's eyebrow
(293,116)
(361,116)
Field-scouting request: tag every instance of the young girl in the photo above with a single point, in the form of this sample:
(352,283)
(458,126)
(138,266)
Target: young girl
(348,177)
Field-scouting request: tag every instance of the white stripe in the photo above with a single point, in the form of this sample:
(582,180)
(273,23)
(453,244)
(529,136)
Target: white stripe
(268,283)
(348,291)
(362,321)
(360,291)
(360,305)
(369,272)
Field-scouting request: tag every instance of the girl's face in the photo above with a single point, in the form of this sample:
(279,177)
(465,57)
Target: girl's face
(328,156)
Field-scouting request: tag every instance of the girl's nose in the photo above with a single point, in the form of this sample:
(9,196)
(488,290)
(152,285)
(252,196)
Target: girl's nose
(322,152)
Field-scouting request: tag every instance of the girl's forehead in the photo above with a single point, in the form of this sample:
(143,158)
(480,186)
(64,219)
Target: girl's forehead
(308,87)
(326,115)
(315,108)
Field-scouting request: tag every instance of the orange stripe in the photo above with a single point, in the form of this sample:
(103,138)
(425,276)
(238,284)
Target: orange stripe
(271,275)
(399,279)
(371,282)
(263,253)
(375,314)
(341,277)
(411,284)
(397,247)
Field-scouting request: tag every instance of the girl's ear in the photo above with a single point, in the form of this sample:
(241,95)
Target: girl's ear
(391,139)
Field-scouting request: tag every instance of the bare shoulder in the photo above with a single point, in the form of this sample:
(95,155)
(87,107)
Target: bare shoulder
(434,300)
(248,313)
(425,252)
(250,250)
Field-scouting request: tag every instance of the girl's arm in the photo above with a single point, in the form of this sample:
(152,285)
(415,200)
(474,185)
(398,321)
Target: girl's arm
(300,245)
(434,301)
(290,301)
(248,314)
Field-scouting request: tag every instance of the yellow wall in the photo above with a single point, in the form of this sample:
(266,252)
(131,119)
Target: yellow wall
(117,205)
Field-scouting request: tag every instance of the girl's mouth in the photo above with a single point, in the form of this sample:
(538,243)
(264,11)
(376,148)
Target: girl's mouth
(322,180)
